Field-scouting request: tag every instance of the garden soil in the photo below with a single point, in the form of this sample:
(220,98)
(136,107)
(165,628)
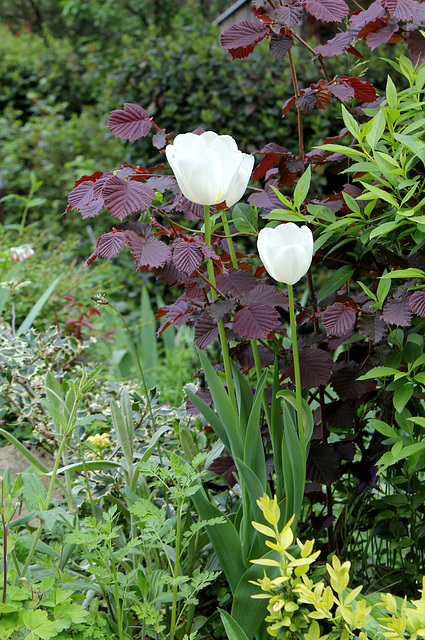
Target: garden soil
(18,463)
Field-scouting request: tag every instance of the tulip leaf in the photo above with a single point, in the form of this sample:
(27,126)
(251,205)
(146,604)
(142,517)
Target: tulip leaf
(244,218)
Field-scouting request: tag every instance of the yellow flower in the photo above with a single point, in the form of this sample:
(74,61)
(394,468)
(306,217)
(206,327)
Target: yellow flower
(100,440)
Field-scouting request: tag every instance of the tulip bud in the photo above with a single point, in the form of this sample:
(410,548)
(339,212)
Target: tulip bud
(209,168)
(286,251)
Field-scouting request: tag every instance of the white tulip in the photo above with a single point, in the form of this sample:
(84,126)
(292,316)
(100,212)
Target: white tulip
(286,251)
(209,168)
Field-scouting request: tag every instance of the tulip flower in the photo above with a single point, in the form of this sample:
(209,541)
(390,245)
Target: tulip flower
(209,168)
(286,251)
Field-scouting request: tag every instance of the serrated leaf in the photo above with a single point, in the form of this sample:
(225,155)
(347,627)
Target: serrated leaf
(339,319)
(256,320)
(130,123)
(187,256)
(124,197)
(327,10)
(241,38)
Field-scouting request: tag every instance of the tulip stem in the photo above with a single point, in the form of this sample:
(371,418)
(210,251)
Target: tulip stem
(232,252)
(221,330)
(295,355)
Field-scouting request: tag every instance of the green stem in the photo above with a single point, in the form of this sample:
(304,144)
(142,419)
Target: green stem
(301,433)
(176,569)
(232,252)
(139,364)
(275,428)
(67,432)
(116,591)
(221,330)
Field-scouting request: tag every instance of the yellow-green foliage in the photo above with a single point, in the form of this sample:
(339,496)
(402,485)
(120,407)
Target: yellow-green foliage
(307,607)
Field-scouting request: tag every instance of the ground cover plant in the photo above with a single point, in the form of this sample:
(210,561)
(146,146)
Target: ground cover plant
(308,410)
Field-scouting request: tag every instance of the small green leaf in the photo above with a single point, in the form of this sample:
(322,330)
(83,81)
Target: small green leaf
(302,187)
(335,282)
(391,93)
(245,219)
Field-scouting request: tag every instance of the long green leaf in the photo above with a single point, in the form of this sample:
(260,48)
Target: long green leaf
(335,282)
(32,459)
(148,342)
(211,417)
(125,441)
(256,489)
(223,406)
(249,612)
(244,397)
(254,450)
(224,539)
(91,465)
(233,630)
(29,320)
(296,460)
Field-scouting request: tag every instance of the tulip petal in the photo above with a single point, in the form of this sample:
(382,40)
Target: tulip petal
(204,178)
(264,250)
(289,264)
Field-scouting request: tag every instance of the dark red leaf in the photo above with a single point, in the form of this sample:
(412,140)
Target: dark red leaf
(416,44)
(220,308)
(205,395)
(272,147)
(306,101)
(341,91)
(169,274)
(289,168)
(323,98)
(363,90)
(289,15)
(337,45)
(280,45)
(397,310)
(92,209)
(81,195)
(109,244)
(179,311)
(267,293)
(187,256)
(315,367)
(265,199)
(371,27)
(327,10)
(360,18)
(322,464)
(124,197)
(269,160)
(236,282)
(404,10)
(338,319)
(288,104)
(162,183)
(147,252)
(92,177)
(224,466)
(130,123)
(240,39)
(417,303)
(371,326)
(419,19)
(256,320)
(380,37)
(159,140)
(344,381)
(191,210)
(206,330)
